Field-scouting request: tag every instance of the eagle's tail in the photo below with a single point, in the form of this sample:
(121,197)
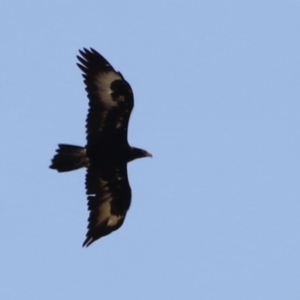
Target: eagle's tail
(69,158)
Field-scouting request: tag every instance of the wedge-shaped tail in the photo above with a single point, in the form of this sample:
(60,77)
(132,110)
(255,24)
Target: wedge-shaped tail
(69,158)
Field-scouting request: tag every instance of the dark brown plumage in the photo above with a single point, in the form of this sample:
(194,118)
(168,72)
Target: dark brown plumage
(107,151)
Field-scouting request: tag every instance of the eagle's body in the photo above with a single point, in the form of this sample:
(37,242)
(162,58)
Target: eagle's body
(107,151)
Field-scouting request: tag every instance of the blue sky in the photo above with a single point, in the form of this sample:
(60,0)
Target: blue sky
(215,213)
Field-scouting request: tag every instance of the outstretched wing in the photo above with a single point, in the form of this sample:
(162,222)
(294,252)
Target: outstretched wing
(109,197)
(110,99)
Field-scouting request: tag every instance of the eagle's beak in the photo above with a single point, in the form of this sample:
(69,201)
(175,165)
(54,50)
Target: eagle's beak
(147,154)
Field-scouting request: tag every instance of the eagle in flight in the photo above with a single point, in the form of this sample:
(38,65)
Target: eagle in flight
(107,151)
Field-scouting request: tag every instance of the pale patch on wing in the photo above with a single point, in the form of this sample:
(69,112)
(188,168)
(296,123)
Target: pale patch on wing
(119,124)
(85,158)
(103,82)
(121,120)
(103,119)
(105,217)
(119,175)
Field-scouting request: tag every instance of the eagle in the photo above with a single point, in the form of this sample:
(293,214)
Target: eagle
(107,151)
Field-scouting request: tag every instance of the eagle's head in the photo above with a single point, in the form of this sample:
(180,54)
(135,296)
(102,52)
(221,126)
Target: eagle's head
(137,153)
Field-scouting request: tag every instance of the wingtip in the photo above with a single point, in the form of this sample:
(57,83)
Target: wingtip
(85,51)
(87,242)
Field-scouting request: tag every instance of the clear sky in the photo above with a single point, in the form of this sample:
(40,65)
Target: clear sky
(215,213)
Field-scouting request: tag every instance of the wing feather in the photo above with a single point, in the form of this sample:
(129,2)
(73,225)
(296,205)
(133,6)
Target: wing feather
(110,99)
(109,198)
